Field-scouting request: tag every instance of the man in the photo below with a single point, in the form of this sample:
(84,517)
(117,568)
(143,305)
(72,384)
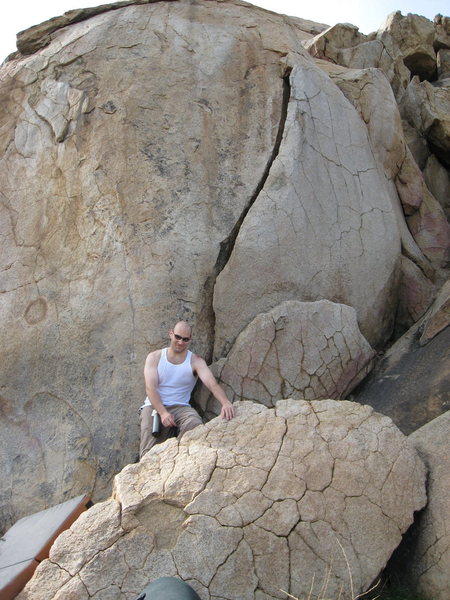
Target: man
(170,376)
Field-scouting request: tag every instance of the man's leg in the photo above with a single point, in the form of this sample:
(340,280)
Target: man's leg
(148,440)
(186,417)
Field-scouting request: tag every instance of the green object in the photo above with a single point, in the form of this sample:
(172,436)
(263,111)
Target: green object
(168,588)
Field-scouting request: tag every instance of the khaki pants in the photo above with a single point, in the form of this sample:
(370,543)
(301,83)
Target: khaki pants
(186,419)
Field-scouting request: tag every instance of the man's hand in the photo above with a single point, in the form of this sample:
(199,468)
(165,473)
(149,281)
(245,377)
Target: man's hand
(167,419)
(205,374)
(227,411)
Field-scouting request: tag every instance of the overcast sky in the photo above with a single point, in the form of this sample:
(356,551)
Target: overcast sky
(368,16)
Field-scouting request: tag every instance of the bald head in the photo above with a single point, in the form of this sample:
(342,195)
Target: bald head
(184,326)
(180,337)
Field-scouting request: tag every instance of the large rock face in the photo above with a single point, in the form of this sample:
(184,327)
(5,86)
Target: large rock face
(308,237)
(189,159)
(274,501)
(127,157)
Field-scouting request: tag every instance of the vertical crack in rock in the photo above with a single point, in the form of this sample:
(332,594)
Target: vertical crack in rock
(227,245)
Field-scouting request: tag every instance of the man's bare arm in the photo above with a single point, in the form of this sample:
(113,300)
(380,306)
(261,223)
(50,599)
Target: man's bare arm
(151,388)
(206,376)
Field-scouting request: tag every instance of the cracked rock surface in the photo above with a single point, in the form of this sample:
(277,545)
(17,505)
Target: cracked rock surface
(187,159)
(425,554)
(404,62)
(426,235)
(302,350)
(439,317)
(130,145)
(308,237)
(270,501)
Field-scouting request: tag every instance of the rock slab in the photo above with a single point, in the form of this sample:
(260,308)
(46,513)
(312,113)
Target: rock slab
(276,499)
(423,560)
(411,382)
(301,350)
(430,567)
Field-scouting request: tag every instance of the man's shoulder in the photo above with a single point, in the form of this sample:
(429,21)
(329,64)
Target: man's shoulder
(196,359)
(153,357)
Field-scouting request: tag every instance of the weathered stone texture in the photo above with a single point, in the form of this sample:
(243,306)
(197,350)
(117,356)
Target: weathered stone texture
(142,145)
(130,146)
(443,64)
(301,350)
(431,230)
(416,295)
(344,45)
(370,93)
(188,159)
(426,107)
(437,179)
(47,452)
(425,555)
(442,24)
(439,315)
(411,382)
(414,36)
(248,508)
(417,145)
(280,253)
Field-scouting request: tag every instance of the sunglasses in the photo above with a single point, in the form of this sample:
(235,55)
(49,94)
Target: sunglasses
(180,337)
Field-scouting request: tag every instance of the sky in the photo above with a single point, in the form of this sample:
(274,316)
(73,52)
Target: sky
(368,16)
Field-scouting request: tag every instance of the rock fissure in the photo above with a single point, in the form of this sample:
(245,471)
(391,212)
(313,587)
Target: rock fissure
(61,567)
(276,457)
(227,245)
(101,551)
(206,481)
(97,590)
(84,585)
(130,293)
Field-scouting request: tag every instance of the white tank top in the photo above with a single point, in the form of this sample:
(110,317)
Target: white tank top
(175,382)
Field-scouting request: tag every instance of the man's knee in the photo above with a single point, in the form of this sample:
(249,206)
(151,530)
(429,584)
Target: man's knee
(190,419)
(192,423)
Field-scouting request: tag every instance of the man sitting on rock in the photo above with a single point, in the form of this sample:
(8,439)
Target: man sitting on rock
(170,376)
